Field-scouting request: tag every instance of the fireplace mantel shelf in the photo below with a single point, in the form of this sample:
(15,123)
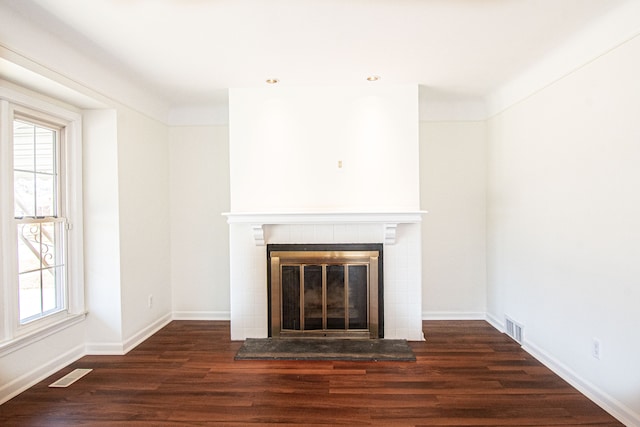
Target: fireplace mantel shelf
(389,220)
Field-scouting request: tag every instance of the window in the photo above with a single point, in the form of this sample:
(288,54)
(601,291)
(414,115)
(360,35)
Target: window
(40,217)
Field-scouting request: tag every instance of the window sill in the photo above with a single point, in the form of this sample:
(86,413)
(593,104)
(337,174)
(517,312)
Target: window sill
(22,341)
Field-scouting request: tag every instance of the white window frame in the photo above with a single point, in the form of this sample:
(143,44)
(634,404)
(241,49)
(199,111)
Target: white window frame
(13,334)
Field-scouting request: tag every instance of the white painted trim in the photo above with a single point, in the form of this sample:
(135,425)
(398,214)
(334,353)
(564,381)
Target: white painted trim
(18,385)
(614,407)
(257,230)
(144,334)
(599,397)
(390,229)
(608,403)
(104,349)
(495,322)
(39,334)
(272,218)
(119,349)
(453,315)
(608,33)
(202,315)
(6,229)
(389,220)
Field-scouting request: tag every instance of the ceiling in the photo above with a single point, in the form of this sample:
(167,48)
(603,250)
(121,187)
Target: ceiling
(189,52)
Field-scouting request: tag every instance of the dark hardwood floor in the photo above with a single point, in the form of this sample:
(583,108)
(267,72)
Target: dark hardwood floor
(466,374)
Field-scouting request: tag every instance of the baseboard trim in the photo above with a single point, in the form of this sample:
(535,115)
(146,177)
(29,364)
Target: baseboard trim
(118,349)
(495,322)
(104,349)
(453,315)
(18,385)
(201,315)
(145,333)
(617,409)
(614,407)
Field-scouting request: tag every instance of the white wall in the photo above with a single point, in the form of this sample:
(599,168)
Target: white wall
(453,191)
(199,185)
(452,182)
(38,359)
(102,231)
(127,241)
(286,144)
(25,37)
(564,225)
(143,184)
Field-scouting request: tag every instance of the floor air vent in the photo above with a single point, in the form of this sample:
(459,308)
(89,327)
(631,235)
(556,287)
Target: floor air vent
(70,378)
(514,330)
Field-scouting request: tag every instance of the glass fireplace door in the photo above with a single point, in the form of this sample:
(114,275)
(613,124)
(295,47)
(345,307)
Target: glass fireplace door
(330,298)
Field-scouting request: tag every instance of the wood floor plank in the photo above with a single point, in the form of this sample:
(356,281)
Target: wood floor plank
(465,374)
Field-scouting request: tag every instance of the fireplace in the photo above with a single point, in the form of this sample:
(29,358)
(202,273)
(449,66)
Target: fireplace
(251,233)
(325,290)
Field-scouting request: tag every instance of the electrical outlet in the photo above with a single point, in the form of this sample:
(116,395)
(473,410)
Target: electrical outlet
(150,302)
(596,348)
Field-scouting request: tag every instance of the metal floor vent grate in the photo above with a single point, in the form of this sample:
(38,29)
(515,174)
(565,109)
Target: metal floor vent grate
(514,330)
(70,378)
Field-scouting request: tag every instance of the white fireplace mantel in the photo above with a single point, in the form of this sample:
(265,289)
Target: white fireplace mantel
(389,220)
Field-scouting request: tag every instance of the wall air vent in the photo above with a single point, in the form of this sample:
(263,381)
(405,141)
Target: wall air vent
(513,329)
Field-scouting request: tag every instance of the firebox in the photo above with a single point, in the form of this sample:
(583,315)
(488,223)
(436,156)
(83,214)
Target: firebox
(320,290)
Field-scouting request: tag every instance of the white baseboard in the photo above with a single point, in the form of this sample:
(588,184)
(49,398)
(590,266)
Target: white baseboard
(145,333)
(453,315)
(18,385)
(608,403)
(115,349)
(617,409)
(104,349)
(201,315)
(614,407)
(495,322)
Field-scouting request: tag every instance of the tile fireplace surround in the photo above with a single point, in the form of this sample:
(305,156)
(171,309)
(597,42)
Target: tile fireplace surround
(398,231)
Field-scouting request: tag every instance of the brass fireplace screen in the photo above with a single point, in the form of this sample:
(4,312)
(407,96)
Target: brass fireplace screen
(325,291)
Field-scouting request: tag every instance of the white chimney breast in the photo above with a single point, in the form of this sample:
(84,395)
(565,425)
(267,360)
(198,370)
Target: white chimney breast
(325,165)
(286,145)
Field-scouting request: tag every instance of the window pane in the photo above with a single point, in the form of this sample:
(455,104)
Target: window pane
(24,194)
(29,255)
(23,146)
(50,279)
(45,143)
(30,295)
(34,162)
(45,195)
(40,268)
(48,239)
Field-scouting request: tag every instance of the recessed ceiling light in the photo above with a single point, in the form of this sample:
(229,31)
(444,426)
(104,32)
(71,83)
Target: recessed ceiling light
(272,81)
(373,78)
